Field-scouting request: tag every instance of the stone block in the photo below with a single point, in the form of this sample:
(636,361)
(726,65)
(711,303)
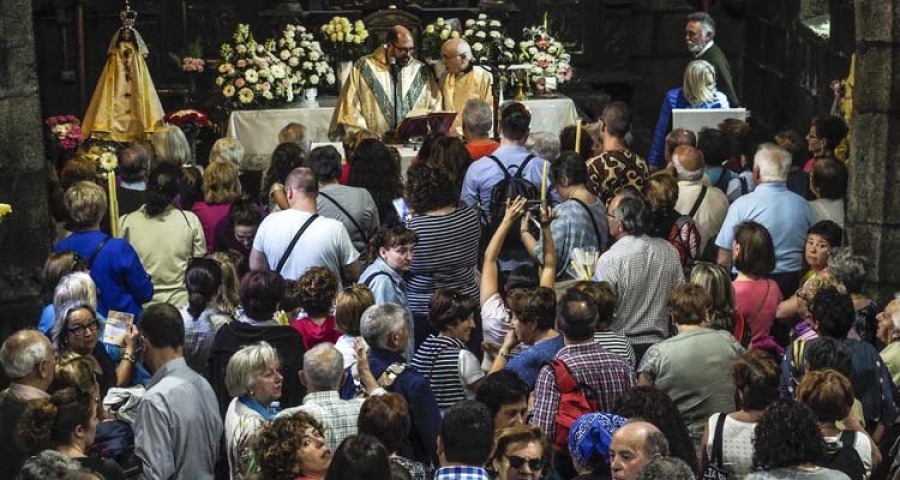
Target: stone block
(875,20)
(877,72)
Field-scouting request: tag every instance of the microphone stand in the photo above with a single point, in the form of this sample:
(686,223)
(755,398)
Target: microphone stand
(396,84)
(496,93)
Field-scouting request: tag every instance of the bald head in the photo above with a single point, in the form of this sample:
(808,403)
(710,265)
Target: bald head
(688,163)
(456,55)
(301,183)
(633,446)
(323,368)
(27,357)
(400,45)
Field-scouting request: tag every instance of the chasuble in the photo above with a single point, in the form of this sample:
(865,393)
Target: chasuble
(459,88)
(367,101)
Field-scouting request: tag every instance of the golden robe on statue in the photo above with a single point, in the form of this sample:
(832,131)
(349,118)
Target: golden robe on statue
(125,106)
(459,88)
(367,101)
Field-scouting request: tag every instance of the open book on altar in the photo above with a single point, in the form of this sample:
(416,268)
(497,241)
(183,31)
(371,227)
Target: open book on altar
(420,125)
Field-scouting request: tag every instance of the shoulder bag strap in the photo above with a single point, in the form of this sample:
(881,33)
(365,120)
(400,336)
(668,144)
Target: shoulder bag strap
(717,459)
(521,168)
(347,214)
(100,246)
(761,304)
(500,164)
(368,282)
(698,201)
(290,248)
(593,222)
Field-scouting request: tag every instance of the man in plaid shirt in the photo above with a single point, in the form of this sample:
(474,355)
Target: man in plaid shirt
(603,375)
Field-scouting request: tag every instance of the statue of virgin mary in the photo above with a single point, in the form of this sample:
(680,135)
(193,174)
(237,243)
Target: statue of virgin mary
(125,106)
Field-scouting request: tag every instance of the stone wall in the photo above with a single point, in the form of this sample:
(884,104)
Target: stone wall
(24,234)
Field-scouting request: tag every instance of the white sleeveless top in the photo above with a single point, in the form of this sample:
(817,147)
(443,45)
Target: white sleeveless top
(737,447)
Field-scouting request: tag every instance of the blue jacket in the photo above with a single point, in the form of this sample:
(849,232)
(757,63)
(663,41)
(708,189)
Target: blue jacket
(675,99)
(421,445)
(122,283)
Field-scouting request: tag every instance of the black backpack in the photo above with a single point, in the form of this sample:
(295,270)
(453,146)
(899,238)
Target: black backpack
(510,187)
(843,456)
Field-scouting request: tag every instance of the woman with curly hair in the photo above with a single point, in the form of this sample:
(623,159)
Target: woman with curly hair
(293,448)
(450,154)
(756,377)
(453,371)
(654,406)
(787,444)
(285,159)
(375,169)
(65,422)
(446,253)
(315,292)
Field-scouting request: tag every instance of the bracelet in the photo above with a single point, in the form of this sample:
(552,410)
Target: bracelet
(129,357)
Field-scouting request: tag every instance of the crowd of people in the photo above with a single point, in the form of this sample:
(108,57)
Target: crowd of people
(335,320)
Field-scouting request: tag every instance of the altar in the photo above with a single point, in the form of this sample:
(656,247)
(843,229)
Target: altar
(257,130)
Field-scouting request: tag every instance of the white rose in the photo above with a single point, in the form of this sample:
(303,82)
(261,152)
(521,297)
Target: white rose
(307,65)
(477,47)
(480,35)
(285,54)
(294,61)
(509,43)
(482,16)
(440,21)
(552,49)
(481,23)
(314,56)
(532,50)
(429,29)
(470,22)
(297,52)
(468,33)
(494,23)
(314,79)
(445,34)
(330,79)
(528,43)
(304,44)
(278,71)
(537,70)
(289,34)
(315,46)
(495,34)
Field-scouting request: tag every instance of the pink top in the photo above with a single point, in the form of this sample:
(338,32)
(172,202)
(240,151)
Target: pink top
(315,334)
(748,296)
(210,216)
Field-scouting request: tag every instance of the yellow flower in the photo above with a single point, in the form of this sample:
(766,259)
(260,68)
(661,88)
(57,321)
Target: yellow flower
(454,34)
(358,40)
(5,209)
(220,81)
(429,29)
(108,161)
(228,91)
(245,95)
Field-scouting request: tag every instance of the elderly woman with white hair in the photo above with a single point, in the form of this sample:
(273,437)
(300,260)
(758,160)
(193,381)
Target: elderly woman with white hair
(228,150)
(253,379)
(697,91)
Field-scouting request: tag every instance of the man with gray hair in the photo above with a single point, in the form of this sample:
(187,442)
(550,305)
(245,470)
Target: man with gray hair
(698,35)
(706,205)
(28,361)
(462,81)
(643,271)
(785,215)
(385,328)
(477,120)
(633,446)
(322,374)
(296,133)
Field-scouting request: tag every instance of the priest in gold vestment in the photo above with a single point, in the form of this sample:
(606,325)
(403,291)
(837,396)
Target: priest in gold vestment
(125,106)
(462,81)
(367,101)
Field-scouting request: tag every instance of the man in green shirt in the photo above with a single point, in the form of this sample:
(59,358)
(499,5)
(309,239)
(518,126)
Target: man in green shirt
(698,34)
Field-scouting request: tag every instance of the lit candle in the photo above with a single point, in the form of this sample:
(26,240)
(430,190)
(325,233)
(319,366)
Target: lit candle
(544,184)
(113,204)
(578,136)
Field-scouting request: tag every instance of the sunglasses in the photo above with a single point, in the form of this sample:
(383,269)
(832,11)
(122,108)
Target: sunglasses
(517,462)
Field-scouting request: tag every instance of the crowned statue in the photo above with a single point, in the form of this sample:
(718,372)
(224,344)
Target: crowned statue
(125,106)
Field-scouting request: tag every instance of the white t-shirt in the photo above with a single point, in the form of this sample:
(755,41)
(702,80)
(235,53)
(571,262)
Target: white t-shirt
(863,447)
(469,371)
(325,243)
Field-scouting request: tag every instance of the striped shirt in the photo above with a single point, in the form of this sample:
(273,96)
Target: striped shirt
(618,344)
(438,359)
(445,256)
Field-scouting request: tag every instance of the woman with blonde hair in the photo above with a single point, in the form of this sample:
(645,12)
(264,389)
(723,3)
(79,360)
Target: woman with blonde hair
(722,314)
(171,146)
(221,187)
(697,91)
(228,298)
(227,150)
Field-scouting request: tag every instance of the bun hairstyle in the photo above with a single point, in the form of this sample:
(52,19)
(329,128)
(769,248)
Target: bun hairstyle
(49,423)
(203,279)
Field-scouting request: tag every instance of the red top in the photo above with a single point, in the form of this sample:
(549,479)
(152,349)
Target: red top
(210,216)
(315,334)
(757,305)
(481,148)
(345,173)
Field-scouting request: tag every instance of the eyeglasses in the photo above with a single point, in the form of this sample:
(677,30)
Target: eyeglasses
(450,57)
(403,50)
(517,462)
(81,330)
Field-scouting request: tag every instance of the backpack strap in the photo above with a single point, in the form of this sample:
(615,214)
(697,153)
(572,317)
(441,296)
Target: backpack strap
(347,214)
(717,457)
(521,168)
(500,164)
(744,187)
(593,223)
(368,282)
(90,261)
(290,248)
(698,201)
(565,382)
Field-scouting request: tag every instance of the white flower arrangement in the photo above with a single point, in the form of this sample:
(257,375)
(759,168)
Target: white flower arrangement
(435,35)
(490,43)
(246,64)
(306,65)
(551,64)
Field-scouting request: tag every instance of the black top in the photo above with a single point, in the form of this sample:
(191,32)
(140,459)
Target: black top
(109,469)
(12,457)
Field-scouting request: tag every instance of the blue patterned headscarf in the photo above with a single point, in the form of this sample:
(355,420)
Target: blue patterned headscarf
(591,435)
